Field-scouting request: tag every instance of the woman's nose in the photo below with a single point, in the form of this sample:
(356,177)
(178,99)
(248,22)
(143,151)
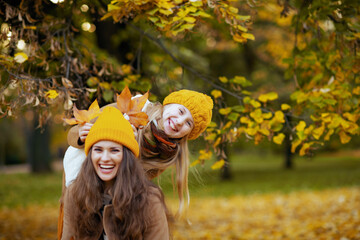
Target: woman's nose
(105,155)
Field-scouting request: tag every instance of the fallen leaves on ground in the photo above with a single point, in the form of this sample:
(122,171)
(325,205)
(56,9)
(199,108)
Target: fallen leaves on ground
(329,214)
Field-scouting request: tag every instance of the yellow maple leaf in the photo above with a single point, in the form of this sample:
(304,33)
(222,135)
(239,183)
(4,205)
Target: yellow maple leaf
(84,116)
(133,107)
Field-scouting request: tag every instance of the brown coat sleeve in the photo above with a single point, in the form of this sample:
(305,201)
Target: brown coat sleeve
(68,230)
(73,134)
(158,228)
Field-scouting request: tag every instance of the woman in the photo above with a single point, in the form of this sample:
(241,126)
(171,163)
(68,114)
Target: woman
(184,115)
(111,198)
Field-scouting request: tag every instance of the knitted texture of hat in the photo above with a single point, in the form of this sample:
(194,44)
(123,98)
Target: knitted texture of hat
(111,125)
(200,106)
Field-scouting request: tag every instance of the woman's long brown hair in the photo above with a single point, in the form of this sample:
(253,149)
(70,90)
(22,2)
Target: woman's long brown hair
(130,194)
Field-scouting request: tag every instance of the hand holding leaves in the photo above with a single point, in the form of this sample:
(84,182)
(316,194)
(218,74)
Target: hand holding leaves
(133,107)
(84,116)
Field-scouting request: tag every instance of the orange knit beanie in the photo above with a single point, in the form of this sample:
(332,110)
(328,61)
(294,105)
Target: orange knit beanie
(111,125)
(200,106)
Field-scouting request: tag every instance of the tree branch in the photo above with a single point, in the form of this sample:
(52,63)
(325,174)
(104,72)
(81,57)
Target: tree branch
(183,65)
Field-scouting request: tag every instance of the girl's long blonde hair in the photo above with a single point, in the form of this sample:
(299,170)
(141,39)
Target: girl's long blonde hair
(180,160)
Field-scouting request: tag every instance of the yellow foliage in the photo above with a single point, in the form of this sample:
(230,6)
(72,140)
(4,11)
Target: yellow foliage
(257,115)
(356,90)
(344,138)
(301,126)
(255,103)
(268,97)
(205,154)
(267,115)
(279,117)
(326,214)
(294,145)
(83,116)
(219,164)
(285,107)
(279,138)
(328,134)
(126,69)
(20,57)
(351,117)
(223,79)
(318,132)
(194,163)
(227,125)
(304,149)
(217,142)
(248,36)
(224,111)
(52,94)
(216,93)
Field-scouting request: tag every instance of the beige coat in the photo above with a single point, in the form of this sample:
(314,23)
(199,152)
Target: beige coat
(158,229)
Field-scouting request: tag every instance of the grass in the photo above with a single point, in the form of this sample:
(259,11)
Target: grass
(252,174)
(23,189)
(256,173)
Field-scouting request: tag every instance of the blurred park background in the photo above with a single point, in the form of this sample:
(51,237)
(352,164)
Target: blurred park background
(280,159)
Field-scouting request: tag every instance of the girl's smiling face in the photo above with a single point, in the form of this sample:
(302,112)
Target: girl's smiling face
(106,157)
(178,121)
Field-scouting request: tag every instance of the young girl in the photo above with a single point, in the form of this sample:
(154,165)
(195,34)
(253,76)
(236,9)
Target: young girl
(111,198)
(184,115)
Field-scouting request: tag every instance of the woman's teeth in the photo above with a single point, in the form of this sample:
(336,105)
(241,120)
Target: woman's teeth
(106,166)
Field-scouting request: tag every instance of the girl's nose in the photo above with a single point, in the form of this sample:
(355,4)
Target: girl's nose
(179,121)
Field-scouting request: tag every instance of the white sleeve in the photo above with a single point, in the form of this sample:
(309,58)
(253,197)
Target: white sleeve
(72,162)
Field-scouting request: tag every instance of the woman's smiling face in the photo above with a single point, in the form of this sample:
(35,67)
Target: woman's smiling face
(178,121)
(106,157)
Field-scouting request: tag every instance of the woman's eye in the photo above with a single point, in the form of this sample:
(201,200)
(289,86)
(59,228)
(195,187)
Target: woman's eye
(97,149)
(189,123)
(115,150)
(181,111)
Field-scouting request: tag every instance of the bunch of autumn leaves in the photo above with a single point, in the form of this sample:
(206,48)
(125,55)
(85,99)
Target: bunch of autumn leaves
(125,103)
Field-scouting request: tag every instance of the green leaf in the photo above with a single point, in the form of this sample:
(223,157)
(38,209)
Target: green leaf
(108,96)
(241,80)
(153,19)
(197,3)
(153,11)
(233,116)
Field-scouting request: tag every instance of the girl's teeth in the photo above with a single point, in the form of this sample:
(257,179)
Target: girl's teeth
(172,125)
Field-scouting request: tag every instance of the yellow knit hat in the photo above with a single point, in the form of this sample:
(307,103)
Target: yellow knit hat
(200,106)
(111,125)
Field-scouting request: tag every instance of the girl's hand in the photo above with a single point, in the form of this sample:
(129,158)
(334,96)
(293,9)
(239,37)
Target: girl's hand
(84,131)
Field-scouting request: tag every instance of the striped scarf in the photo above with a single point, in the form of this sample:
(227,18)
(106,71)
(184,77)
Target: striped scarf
(157,145)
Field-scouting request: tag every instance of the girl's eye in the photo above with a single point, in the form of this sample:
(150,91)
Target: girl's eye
(181,111)
(97,149)
(115,150)
(189,123)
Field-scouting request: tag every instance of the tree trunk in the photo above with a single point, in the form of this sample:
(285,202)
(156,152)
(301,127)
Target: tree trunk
(38,149)
(288,154)
(225,173)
